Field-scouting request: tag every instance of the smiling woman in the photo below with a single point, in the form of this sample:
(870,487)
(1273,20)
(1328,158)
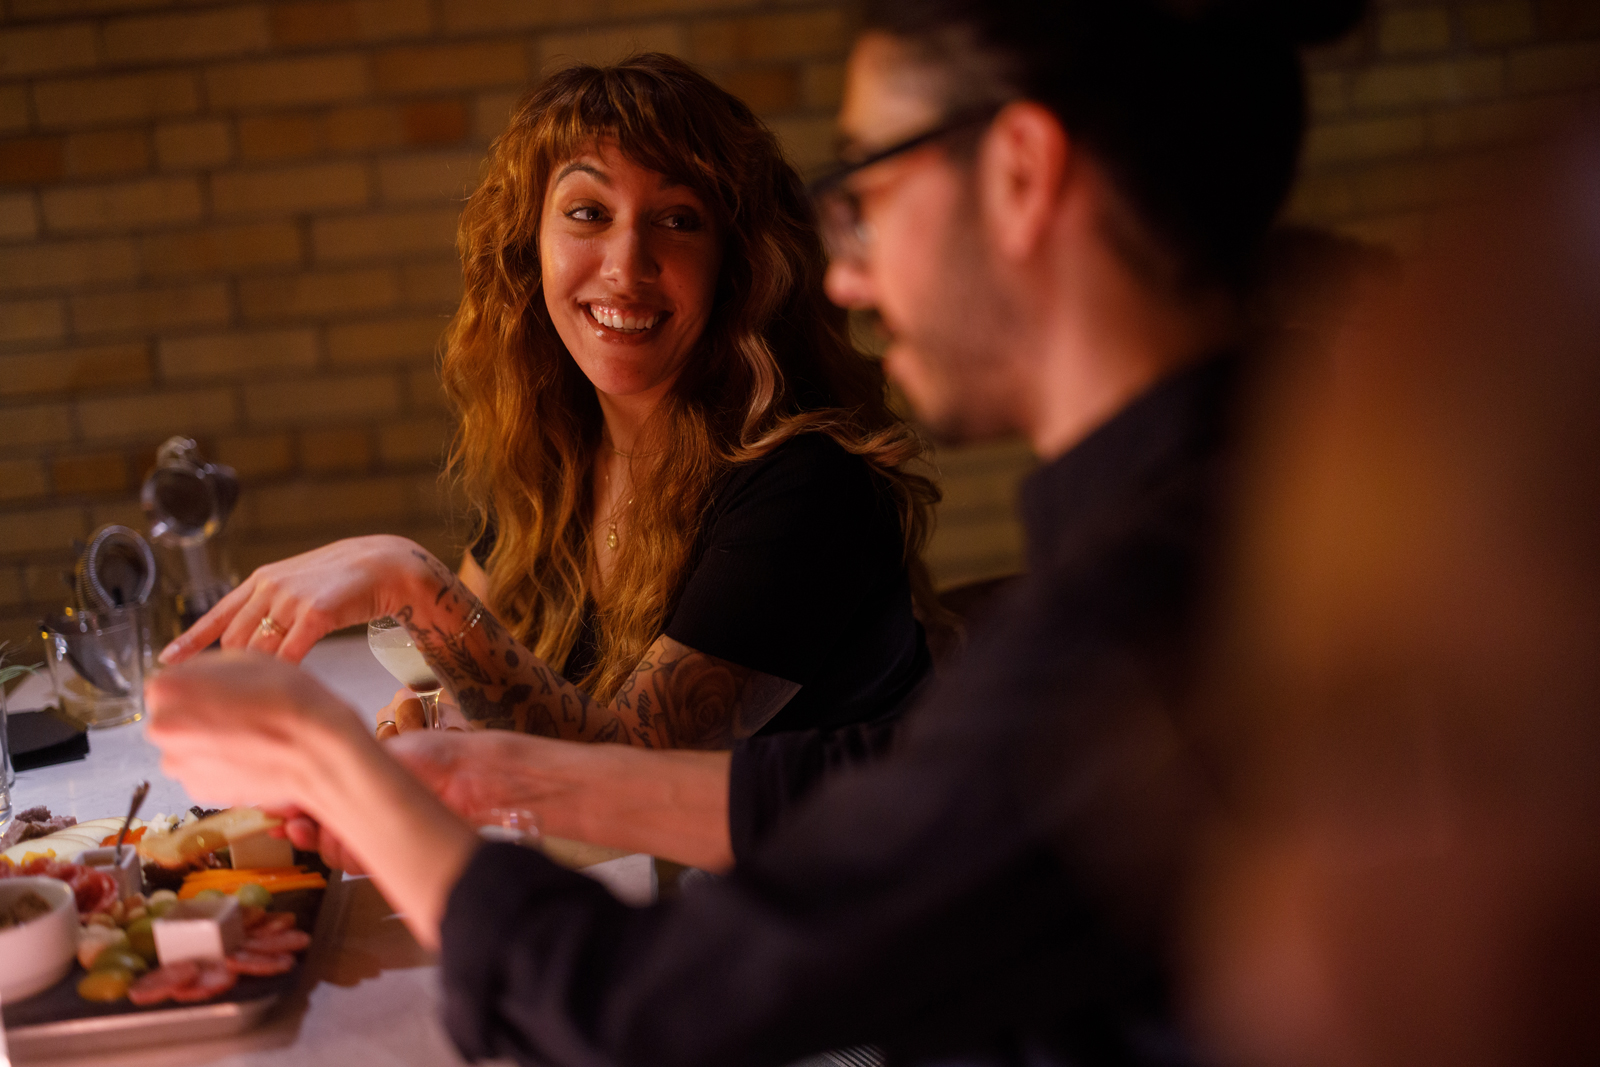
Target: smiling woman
(696,517)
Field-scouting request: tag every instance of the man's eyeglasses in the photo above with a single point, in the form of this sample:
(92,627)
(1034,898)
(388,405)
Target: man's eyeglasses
(838,207)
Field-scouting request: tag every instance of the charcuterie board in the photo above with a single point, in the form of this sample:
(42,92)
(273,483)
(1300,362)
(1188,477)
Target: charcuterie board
(58,1022)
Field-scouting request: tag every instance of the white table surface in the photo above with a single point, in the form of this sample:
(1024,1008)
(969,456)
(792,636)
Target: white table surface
(371,995)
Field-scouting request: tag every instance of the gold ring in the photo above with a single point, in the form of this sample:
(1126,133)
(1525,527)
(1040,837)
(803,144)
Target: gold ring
(388,722)
(270,627)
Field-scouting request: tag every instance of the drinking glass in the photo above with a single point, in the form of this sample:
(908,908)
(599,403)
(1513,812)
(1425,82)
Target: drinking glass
(392,645)
(97,663)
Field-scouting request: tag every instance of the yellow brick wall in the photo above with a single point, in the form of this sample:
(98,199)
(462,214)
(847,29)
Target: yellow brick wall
(235,221)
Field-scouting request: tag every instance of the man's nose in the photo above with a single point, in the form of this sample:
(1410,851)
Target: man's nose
(848,284)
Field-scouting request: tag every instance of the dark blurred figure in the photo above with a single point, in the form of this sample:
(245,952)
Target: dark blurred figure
(1412,686)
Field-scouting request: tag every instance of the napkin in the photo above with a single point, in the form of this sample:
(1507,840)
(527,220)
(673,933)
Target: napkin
(41,738)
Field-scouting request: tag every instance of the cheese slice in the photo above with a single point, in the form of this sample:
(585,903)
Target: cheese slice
(203,836)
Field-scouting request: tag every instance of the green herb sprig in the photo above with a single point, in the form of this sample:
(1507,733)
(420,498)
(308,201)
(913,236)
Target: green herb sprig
(16,670)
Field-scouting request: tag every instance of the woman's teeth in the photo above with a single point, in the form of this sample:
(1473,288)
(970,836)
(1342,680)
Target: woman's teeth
(616,320)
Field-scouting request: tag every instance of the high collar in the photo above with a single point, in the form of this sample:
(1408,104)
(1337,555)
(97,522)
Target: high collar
(1181,418)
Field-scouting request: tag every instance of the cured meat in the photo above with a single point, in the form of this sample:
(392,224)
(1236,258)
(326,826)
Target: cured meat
(260,964)
(159,984)
(94,889)
(278,941)
(214,979)
(271,922)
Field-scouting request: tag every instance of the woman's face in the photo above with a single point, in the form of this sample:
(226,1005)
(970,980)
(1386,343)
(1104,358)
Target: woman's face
(630,262)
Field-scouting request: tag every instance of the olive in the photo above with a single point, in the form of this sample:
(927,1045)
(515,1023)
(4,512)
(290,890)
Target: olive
(105,985)
(142,938)
(253,895)
(117,958)
(210,894)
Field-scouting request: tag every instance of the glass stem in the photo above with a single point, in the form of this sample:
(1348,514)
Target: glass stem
(430,711)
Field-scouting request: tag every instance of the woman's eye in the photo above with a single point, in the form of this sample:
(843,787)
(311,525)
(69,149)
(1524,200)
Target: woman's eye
(682,220)
(584,214)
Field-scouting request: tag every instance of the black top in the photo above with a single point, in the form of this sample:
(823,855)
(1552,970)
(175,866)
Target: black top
(1000,888)
(800,573)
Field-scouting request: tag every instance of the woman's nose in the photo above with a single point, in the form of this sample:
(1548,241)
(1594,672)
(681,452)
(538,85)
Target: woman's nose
(629,260)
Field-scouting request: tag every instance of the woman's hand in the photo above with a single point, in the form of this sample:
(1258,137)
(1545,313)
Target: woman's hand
(402,714)
(308,596)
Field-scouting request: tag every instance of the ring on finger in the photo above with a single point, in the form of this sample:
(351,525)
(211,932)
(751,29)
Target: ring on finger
(270,627)
(389,722)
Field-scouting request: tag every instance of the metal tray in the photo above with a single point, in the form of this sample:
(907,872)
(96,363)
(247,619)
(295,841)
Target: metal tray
(57,1022)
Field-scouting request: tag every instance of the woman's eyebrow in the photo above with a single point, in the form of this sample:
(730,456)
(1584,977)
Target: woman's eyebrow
(586,168)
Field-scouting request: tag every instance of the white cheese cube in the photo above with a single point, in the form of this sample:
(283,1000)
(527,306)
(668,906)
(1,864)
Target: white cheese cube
(260,850)
(198,930)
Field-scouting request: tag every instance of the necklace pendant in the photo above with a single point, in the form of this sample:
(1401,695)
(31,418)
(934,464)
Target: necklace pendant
(611,536)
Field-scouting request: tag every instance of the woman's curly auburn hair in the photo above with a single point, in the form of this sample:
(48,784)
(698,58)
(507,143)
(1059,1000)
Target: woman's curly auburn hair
(776,360)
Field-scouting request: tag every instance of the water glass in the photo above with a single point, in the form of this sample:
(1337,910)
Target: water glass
(97,663)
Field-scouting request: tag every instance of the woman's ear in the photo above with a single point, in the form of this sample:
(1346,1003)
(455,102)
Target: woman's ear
(1024,163)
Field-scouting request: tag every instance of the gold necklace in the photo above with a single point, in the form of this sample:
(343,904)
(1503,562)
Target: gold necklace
(612,541)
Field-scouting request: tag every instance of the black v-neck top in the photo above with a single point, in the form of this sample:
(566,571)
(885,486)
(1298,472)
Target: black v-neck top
(799,572)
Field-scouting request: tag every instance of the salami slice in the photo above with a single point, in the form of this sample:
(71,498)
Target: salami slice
(159,984)
(213,979)
(281,941)
(260,964)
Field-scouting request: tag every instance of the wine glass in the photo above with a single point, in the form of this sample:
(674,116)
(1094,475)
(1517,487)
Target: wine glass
(392,645)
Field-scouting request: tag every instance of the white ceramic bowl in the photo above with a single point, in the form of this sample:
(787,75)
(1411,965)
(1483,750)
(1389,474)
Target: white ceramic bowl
(37,954)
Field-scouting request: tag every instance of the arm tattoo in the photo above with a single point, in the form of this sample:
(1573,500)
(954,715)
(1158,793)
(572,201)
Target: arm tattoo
(675,698)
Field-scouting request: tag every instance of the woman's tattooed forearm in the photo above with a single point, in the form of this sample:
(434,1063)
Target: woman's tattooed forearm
(676,698)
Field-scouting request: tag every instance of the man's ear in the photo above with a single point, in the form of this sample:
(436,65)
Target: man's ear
(1023,164)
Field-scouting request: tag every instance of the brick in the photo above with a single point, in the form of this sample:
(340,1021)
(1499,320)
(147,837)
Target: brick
(67,264)
(413,441)
(491,113)
(157,416)
(124,98)
(1569,18)
(423,392)
(20,479)
(286,82)
(790,35)
(807,142)
(389,340)
(397,233)
(1325,94)
(30,427)
(222,354)
(644,8)
(13,108)
(1367,139)
(31,320)
(107,153)
(471,16)
(325,22)
(185,145)
(436,283)
(100,472)
(1414,29)
(1554,67)
(1320,198)
(364,128)
(559,50)
(1490,25)
(429,122)
(436,67)
(74,369)
(321,400)
(344,449)
(822,85)
(1442,82)
(317,503)
(41,530)
(765,89)
(428,179)
(18,219)
(273,137)
(122,513)
(220,248)
(324,293)
(257,455)
(144,311)
(60,8)
(289,189)
(143,204)
(187,36)
(46,49)
(1398,187)
(1481,125)
(31,160)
